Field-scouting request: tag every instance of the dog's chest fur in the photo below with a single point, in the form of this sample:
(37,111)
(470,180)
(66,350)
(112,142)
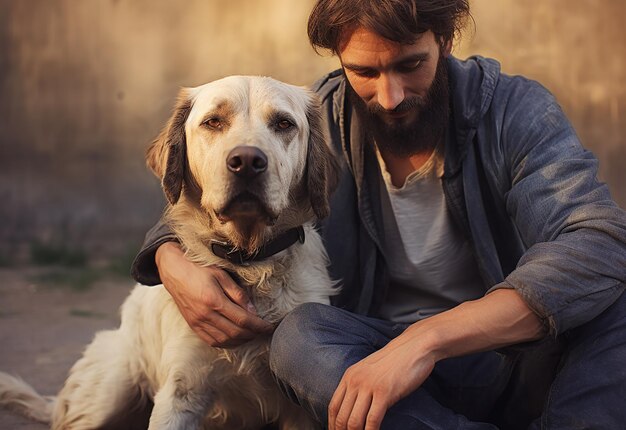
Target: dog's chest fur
(238,380)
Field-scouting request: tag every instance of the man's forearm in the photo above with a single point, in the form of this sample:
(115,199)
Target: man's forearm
(499,319)
(371,386)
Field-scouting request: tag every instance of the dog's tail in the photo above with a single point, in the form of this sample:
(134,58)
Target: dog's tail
(18,396)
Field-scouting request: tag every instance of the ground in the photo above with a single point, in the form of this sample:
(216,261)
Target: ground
(47,316)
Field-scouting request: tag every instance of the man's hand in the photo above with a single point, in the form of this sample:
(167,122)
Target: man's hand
(214,306)
(373,385)
(378,381)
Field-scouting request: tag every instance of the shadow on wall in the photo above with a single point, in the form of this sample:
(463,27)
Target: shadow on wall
(86,85)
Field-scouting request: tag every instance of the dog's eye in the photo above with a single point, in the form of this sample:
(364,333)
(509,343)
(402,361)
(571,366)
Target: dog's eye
(213,123)
(284,125)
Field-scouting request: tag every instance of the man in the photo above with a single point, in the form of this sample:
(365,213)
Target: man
(468,218)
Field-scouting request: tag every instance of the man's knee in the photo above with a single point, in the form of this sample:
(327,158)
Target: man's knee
(303,357)
(295,340)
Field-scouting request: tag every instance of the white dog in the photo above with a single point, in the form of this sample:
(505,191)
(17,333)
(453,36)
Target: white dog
(246,169)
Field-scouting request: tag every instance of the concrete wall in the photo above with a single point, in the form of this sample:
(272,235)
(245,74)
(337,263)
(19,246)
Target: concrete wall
(86,84)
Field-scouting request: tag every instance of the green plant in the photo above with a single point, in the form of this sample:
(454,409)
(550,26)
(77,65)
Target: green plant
(47,254)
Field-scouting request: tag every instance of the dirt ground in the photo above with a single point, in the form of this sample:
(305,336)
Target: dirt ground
(47,317)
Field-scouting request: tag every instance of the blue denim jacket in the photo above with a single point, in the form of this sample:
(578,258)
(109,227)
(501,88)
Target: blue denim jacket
(517,182)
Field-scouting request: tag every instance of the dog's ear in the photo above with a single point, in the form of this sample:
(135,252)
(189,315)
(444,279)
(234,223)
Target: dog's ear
(167,155)
(322,167)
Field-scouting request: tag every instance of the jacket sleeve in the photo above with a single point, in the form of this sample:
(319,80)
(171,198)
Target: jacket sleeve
(574,266)
(144,269)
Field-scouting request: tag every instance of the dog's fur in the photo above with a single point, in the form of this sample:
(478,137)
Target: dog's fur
(154,355)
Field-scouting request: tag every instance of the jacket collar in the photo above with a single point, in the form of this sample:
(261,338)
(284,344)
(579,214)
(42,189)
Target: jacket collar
(472,85)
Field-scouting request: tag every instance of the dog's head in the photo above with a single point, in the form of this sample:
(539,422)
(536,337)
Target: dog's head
(249,153)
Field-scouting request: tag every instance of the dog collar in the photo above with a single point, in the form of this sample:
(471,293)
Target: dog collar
(227,250)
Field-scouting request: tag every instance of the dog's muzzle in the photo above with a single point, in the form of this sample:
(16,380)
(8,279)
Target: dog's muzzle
(246,162)
(247,199)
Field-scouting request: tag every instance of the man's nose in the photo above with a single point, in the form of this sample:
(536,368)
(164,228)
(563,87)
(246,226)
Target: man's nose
(390,91)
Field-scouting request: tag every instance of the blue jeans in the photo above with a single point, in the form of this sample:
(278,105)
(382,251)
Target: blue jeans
(315,344)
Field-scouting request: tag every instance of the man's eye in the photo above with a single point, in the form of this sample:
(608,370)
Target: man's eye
(365,73)
(410,67)
(215,123)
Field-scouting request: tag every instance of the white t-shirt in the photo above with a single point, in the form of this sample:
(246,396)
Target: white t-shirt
(431,265)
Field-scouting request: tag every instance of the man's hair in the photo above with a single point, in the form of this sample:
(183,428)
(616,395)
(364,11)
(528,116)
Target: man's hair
(400,21)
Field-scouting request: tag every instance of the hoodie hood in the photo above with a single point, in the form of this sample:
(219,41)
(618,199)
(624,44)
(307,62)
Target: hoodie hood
(472,85)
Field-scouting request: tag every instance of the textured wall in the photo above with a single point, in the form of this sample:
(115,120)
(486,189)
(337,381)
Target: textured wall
(86,84)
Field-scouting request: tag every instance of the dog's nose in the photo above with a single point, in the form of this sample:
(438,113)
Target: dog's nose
(246,161)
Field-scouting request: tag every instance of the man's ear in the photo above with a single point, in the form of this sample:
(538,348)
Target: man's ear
(167,155)
(322,166)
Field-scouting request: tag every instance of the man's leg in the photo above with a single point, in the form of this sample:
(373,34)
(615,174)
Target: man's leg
(315,344)
(590,387)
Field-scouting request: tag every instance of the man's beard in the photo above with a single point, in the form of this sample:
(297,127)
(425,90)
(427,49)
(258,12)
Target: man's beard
(423,133)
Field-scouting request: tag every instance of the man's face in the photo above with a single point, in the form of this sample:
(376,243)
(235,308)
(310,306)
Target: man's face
(401,88)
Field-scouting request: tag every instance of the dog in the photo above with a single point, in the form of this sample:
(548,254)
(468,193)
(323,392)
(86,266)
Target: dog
(246,170)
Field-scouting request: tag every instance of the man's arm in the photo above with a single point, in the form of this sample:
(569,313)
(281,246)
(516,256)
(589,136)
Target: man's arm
(374,384)
(217,309)
(214,306)
(144,269)
(573,232)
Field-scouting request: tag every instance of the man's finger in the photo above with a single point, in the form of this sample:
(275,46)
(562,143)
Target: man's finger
(345,410)
(234,292)
(361,407)
(239,309)
(224,330)
(375,415)
(335,404)
(243,318)
(207,338)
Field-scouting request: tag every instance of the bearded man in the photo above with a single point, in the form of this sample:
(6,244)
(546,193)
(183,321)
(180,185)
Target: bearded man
(482,263)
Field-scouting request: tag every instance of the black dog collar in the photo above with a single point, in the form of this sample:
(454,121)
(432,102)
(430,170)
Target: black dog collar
(227,251)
